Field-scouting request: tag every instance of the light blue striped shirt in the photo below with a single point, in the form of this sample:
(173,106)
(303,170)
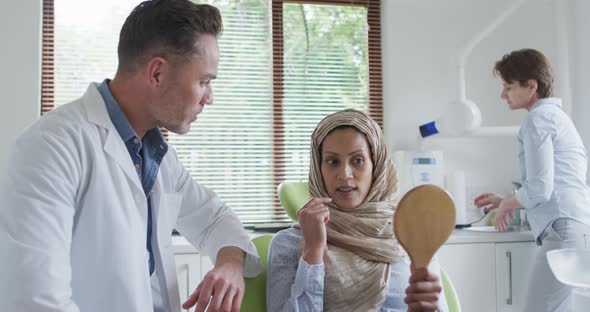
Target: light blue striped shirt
(293,285)
(553,166)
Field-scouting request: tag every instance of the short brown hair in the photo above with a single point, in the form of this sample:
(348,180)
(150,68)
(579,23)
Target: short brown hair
(523,65)
(167,28)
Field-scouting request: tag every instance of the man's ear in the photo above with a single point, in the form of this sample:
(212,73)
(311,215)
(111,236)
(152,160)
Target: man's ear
(155,72)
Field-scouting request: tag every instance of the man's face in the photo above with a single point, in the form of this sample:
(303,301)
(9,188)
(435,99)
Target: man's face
(188,88)
(519,96)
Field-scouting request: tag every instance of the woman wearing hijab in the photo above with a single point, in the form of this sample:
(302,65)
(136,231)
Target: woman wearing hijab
(343,255)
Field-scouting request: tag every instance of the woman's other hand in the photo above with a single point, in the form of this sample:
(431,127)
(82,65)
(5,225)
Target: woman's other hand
(423,292)
(488,201)
(312,219)
(505,213)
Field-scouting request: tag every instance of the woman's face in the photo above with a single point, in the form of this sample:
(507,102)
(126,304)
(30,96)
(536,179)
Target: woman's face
(347,167)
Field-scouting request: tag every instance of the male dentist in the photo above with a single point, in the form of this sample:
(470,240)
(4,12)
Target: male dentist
(93,191)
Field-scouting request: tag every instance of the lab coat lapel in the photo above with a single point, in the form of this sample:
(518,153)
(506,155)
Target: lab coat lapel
(113,144)
(117,150)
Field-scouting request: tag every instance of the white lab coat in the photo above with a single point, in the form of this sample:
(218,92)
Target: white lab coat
(73,218)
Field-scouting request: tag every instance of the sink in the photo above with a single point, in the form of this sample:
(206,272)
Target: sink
(491,229)
(481,229)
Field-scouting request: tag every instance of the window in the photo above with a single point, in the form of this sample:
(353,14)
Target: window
(284,66)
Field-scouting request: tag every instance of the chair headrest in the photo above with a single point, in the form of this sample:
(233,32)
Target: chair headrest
(293,196)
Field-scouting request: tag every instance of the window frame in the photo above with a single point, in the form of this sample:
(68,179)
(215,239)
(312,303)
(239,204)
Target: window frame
(375,84)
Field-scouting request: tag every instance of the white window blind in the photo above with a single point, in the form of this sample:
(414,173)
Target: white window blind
(284,66)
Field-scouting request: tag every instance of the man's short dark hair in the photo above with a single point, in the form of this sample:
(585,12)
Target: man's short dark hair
(525,64)
(166,28)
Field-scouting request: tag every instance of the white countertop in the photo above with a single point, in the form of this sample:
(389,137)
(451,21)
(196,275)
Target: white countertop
(181,245)
(476,237)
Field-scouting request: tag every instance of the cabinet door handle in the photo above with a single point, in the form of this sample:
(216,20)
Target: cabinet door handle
(509,256)
(188,280)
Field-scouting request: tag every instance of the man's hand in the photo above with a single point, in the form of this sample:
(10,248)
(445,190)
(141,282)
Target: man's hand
(222,288)
(423,292)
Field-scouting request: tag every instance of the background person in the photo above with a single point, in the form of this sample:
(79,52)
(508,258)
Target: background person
(553,165)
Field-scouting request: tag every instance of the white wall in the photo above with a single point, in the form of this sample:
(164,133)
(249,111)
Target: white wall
(20,61)
(421,39)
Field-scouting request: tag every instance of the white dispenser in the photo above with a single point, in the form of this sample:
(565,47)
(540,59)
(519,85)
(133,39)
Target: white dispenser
(455,185)
(418,167)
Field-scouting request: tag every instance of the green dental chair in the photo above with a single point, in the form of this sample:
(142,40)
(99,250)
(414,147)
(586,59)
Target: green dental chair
(255,290)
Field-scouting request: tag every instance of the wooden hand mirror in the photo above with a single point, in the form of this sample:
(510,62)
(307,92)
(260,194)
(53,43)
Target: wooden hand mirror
(423,221)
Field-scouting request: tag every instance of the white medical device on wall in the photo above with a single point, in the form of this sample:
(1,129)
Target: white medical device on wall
(418,167)
(464,116)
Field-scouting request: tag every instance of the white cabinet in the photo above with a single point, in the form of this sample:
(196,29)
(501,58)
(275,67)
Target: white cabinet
(514,263)
(188,270)
(206,265)
(489,277)
(472,269)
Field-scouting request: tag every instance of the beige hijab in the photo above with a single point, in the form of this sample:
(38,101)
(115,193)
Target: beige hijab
(361,242)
